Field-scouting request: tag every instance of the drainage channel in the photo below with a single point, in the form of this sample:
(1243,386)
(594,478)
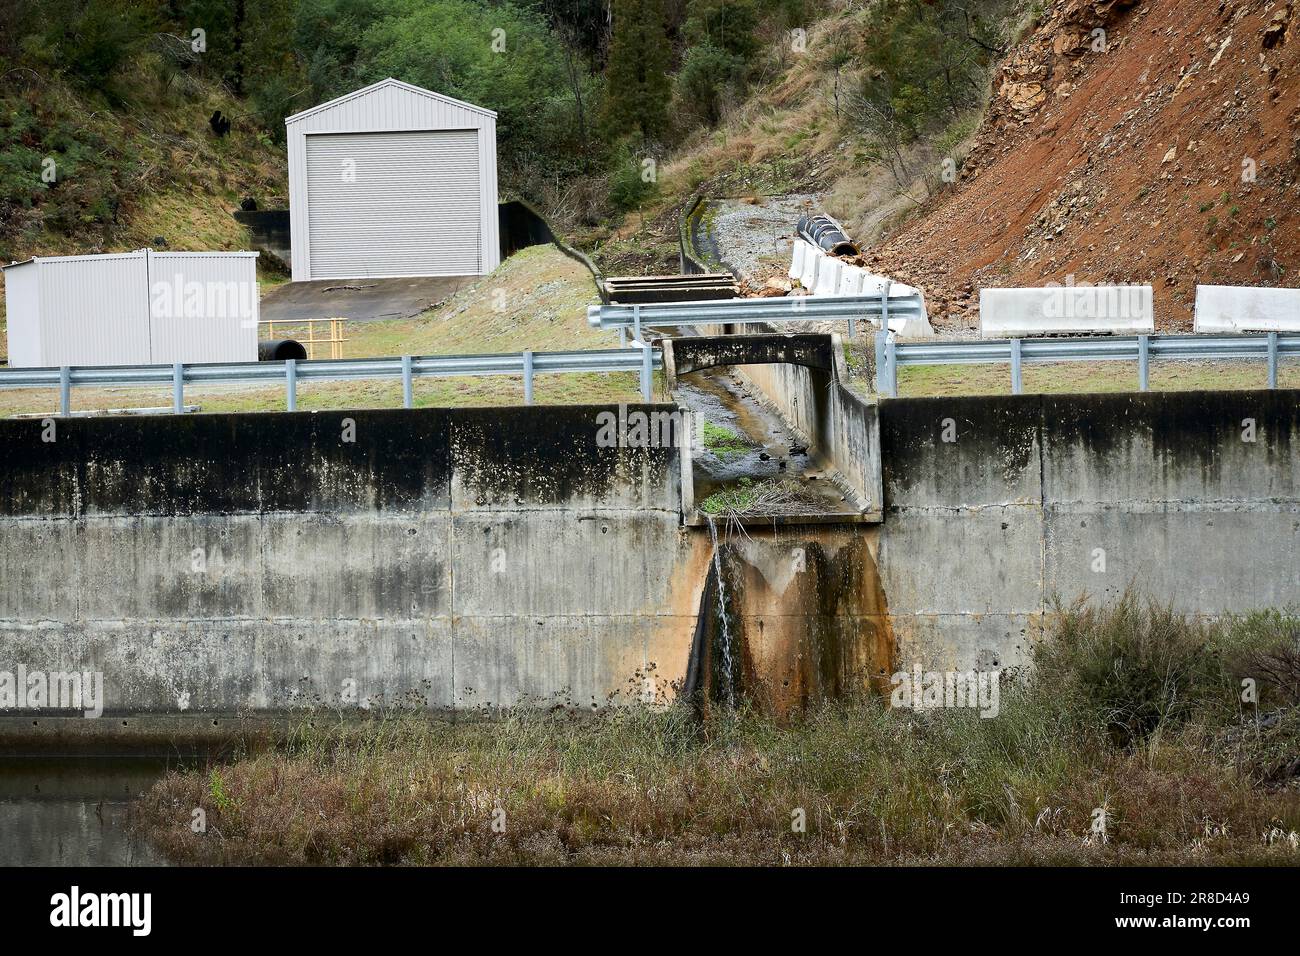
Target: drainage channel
(750,465)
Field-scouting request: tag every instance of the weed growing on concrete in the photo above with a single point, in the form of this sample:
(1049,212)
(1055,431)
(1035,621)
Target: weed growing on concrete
(724,442)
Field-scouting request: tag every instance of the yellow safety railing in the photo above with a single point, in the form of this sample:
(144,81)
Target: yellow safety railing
(314,334)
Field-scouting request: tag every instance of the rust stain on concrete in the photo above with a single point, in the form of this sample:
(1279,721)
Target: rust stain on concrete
(807,619)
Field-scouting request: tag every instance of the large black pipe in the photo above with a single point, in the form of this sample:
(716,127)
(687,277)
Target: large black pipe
(825,233)
(277,350)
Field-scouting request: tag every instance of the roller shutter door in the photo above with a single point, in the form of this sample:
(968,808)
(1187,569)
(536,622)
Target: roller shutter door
(393,204)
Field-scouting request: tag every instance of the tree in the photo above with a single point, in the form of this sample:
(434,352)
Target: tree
(707,75)
(638,86)
(727,25)
(502,57)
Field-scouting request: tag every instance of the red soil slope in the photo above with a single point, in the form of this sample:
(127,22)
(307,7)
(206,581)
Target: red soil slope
(1128,164)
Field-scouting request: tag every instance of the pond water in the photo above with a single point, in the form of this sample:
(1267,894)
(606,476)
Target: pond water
(73,810)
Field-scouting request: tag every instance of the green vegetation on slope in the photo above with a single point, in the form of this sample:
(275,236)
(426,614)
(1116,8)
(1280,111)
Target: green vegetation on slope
(1132,709)
(118,94)
(861,103)
(104,134)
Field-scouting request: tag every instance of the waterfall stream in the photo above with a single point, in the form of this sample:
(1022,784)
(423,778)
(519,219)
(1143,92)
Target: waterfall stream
(728,690)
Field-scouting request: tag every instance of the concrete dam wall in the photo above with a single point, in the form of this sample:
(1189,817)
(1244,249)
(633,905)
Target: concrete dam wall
(455,558)
(249,564)
(259,563)
(996,505)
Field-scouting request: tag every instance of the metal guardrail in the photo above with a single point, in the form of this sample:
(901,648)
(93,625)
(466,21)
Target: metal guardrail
(407,367)
(890,353)
(875,308)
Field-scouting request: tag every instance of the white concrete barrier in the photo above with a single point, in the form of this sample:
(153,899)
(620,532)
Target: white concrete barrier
(1229,308)
(811,257)
(822,274)
(1052,310)
(828,276)
(797,254)
(850,279)
(913,328)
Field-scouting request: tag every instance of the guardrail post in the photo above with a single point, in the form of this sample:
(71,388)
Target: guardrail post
(528,377)
(891,366)
(647,373)
(882,362)
(636,322)
(65,391)
(291,384)
(1144,362)
(408,388)
(1017,383)
(622,336)
(884,304)
(1272,360)
(178,388)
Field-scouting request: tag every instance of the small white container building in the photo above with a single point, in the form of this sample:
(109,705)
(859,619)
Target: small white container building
(393,180)
(132,308)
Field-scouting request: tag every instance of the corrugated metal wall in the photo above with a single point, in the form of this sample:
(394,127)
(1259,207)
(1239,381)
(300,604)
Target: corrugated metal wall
(223,327)
(23,330)
(136,308)
(389,107)
(94,310)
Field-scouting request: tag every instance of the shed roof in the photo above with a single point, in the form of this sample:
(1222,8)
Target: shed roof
(383,84)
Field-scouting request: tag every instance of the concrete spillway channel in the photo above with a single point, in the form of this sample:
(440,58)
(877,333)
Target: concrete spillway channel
(792,610)
(742,447)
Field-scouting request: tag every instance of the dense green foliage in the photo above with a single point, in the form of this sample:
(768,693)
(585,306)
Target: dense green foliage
(638,70)
(586,90)
(928,60)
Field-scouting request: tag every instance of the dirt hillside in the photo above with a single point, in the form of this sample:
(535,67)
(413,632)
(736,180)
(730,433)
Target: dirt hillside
(1165,150)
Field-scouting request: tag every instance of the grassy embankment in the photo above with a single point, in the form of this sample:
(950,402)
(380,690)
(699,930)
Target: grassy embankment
(1132,710)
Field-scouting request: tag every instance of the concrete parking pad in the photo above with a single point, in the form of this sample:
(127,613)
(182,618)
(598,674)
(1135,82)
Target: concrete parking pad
(360,300)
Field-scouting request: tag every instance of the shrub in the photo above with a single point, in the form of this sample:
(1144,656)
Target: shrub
(629,187)
(1264,647)
(708,77)
(1132,666)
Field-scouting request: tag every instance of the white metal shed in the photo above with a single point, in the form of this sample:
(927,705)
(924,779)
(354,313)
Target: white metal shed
(393,180)
(132,308)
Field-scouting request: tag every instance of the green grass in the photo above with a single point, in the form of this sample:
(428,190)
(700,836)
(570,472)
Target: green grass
(1194,781)
(738,498)
(724,442)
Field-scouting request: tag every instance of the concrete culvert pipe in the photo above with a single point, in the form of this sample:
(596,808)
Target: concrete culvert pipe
(277,350)
(827,234)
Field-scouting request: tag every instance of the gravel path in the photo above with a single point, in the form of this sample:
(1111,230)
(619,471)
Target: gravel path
(753,239)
